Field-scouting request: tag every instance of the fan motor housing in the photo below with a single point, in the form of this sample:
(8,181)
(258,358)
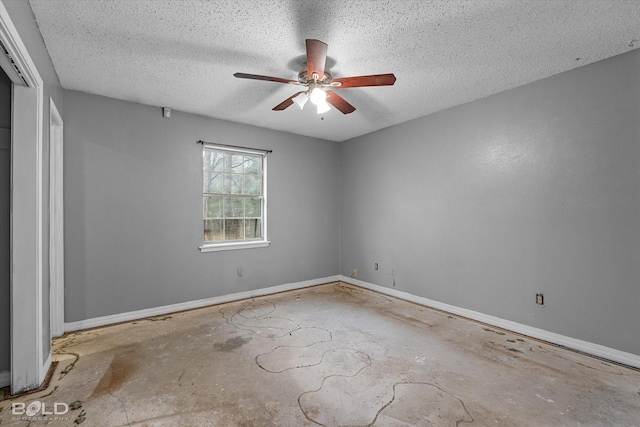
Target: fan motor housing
(305,79)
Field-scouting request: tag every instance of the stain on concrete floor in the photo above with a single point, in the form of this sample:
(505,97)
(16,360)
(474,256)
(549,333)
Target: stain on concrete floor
(331,355)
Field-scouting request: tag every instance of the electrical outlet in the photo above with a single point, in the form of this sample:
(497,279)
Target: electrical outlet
(375,265)
(540,299)
(354,273)
(240,271)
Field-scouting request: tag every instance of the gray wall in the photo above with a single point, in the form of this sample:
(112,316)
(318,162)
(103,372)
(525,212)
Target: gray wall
(531,190)
(536,189)
(133,209)
(5,222)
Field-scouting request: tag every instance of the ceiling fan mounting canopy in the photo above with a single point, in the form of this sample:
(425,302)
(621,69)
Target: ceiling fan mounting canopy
(316,77)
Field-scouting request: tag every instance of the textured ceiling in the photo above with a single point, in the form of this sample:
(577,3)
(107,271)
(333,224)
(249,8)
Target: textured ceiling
(182,54)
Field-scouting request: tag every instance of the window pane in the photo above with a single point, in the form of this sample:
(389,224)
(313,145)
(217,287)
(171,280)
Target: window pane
(213,230)
(237,163)
(228,161)
(213,182)
(253,164)
(233,207)
(213,207)
(232,183)
(252,184)
(233,229)
(252,228)
(253,208)
(233,203)
(213,160)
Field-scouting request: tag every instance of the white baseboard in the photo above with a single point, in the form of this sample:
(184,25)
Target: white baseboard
(572,343)
(5,379)
(165,309)
(628,359)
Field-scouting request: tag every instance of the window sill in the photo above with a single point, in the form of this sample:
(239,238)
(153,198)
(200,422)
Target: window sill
(232,246)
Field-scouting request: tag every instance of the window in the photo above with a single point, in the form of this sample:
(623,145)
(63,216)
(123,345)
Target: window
(234,198)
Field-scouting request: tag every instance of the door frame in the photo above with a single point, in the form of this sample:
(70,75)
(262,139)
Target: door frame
(29,364)
(56,219)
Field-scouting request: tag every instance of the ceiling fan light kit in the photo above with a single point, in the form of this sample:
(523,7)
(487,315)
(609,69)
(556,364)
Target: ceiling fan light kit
(316,79)
(301,99)
(322,107)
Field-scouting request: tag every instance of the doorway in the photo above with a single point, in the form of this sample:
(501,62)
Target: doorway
(30,330)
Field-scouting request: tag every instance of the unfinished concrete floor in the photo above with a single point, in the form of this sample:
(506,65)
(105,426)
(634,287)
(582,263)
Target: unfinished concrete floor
(331,355)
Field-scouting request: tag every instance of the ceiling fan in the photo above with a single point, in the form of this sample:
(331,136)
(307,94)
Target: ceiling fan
(316,78)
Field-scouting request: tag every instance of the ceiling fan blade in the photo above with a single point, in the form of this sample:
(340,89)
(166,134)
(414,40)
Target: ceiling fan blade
(337,101)
(265,78)
(362,81)
(286,103)
(316,57)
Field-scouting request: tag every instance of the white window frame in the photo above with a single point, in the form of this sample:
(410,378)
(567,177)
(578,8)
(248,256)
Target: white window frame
(208,246)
